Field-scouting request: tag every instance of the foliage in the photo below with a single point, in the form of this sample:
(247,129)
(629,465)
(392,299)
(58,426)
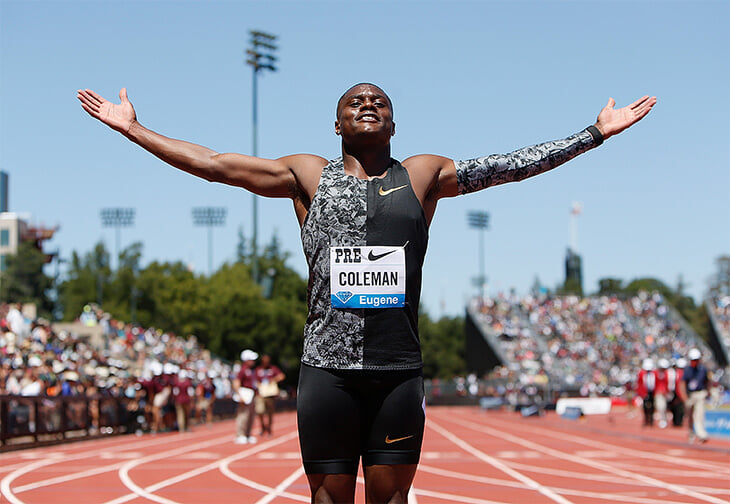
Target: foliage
(24,281)
(443,345)
(227,311)
(608,286)
(86,281)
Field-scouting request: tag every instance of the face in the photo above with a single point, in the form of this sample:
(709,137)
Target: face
(365,109)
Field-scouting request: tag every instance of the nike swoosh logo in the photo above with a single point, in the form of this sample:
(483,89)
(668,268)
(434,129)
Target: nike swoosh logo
(388,191)
(388,440)
(375,257)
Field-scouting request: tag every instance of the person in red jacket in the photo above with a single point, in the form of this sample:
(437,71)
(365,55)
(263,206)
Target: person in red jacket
(268,377)
(645,386)
(182,390)
(244,390)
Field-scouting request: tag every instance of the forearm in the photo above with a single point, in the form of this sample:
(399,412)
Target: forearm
(480,173)
(186,156)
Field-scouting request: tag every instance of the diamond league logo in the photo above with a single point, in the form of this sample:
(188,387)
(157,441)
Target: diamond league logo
(343,296)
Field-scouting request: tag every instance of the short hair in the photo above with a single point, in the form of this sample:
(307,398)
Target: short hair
(390,103)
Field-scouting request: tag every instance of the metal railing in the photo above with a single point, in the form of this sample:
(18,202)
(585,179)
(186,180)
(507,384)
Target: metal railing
(33,421)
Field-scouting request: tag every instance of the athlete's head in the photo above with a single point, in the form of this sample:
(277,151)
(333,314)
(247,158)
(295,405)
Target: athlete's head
(364,108)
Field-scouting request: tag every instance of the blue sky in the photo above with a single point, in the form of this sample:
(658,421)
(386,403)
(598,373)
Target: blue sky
(466,78)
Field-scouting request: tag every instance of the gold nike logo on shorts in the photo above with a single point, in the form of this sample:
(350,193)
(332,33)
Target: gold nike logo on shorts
(386,192)
(388,440)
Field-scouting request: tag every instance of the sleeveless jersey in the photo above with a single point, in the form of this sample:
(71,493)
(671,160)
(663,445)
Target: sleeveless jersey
(347,211)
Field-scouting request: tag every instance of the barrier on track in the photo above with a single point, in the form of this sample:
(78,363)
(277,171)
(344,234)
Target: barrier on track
(31,421)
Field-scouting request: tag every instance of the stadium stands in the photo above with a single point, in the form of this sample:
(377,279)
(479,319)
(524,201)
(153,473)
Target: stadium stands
(590,345)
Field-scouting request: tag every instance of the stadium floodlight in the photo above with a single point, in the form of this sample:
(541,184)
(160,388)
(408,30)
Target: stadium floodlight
(576,208)
(479,220)
(260,58)
(209,217)
(117,218)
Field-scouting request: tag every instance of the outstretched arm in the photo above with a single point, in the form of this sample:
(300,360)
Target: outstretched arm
(265,177)
(461,177)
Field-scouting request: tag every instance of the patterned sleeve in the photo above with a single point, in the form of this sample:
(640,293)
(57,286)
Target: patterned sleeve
(480,173)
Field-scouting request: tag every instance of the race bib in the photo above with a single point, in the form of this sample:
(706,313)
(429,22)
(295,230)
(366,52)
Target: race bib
(368,277)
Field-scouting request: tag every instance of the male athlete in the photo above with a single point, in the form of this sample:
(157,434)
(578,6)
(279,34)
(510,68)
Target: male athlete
(364,221)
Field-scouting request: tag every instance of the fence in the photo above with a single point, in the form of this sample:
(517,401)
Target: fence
(30,421)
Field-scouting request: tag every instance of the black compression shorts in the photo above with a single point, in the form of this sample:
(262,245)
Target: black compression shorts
(347,414)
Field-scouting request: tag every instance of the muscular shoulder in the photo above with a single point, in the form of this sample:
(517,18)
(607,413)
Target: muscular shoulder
(307,169)
(429,174)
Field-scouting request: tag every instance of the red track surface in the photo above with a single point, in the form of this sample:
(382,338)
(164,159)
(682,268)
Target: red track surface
(469,456)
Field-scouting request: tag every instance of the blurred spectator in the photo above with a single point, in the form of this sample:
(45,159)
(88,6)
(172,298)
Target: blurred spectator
(695,383)
(205,397)
(244,387)
(268,378)
(182,395)
(645,388)
(661,391)
(676,399)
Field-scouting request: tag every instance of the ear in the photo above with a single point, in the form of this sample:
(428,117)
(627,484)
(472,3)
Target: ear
(392,131)
(337,127)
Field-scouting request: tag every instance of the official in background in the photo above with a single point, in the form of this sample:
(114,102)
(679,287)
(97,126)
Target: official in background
(694,384)
(268,377)
(645,386)
(244,390)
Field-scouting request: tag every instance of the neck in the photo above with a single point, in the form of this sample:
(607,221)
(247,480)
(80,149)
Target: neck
(367,162)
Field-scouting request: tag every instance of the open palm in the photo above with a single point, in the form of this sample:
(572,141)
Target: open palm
(117,116)
(612,121)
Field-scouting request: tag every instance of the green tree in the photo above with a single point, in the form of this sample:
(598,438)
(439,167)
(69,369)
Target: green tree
(610,286)
(122,290)
(86,281)
(443,346)
(649,285)
(24,280)
(172,298)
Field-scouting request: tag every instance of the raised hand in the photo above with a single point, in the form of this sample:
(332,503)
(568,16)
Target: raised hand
(117,116)
(613,121)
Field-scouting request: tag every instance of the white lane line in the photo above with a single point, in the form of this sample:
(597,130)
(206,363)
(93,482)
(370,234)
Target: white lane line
(147,492)
(563,491)
(138,491)
(456,498)
(5,483)
(57,457)
(591,463)
(683,461)
(223,467)
(281,487)
(471,477)
(604,477)
(530,483)
(67,478)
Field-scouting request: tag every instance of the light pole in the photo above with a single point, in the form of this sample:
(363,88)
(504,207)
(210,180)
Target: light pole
(480,220)
(575,210)
(260,58)
(117,218)
(209,217)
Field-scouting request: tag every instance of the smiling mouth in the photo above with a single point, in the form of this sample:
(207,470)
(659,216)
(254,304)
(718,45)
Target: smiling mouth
(368,117)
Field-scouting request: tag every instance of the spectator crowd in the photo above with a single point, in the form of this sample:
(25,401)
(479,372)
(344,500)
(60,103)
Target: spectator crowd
(165,380)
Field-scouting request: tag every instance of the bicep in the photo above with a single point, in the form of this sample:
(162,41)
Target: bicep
(265,177)
(284,177)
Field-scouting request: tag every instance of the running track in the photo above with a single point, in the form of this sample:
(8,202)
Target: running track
(469,456)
